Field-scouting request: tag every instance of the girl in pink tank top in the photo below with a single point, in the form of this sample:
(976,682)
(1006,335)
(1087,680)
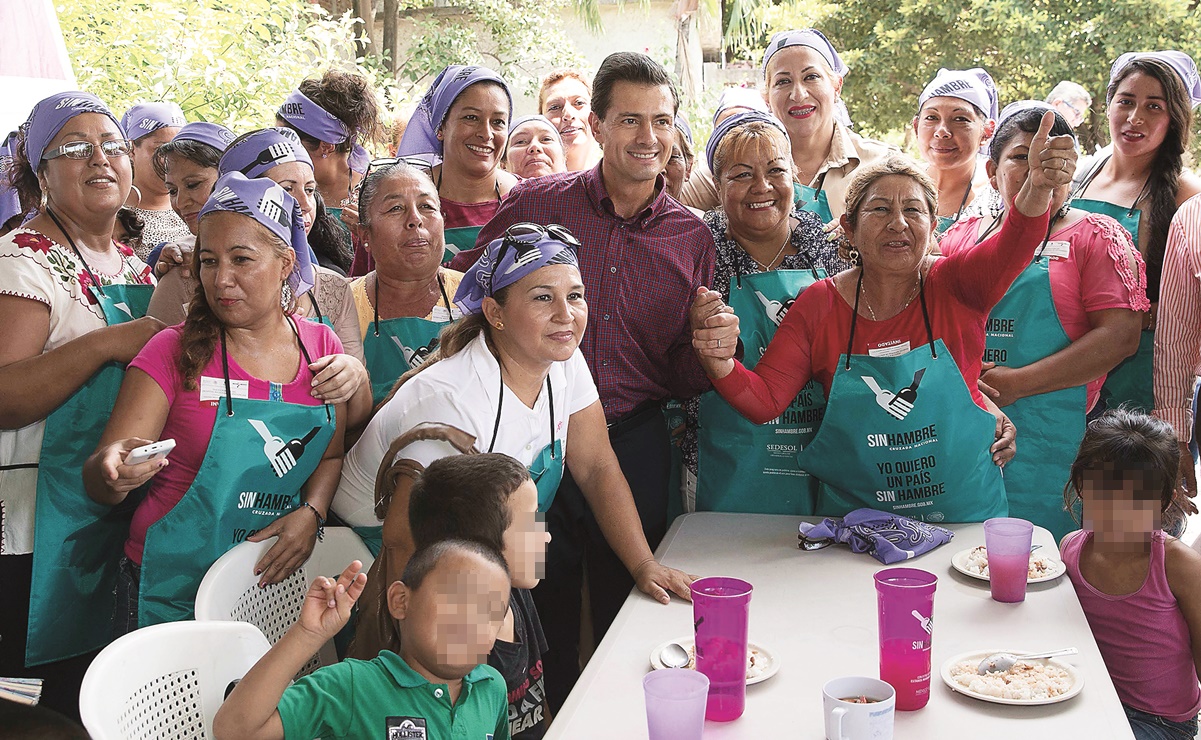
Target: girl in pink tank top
(1140,589)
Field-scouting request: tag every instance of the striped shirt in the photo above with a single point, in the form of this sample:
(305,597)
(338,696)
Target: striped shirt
(1178,330)
(640,276)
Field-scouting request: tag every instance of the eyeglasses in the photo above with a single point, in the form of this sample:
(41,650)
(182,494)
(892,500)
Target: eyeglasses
(516,237)
(85,149)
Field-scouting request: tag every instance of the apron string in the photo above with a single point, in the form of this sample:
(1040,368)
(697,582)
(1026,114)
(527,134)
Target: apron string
(854,316)
(921,295)
(307,360)
(966,193)
(316,305)
(442,290)
(500,405)
(82,261)
(229,409)
(375,306)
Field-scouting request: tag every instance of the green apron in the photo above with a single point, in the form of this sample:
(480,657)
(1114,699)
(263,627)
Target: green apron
(244,484)
(78,542)
(392,347)
(752,468)
(1130,382)
(1022,329)
(458,239)
(929,461)
(546,469)
(813,199)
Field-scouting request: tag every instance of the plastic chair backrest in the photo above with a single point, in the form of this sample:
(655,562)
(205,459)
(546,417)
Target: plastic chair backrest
(166,680)
(230,591)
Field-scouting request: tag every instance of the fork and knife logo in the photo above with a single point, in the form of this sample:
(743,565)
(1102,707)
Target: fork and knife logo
(899,404)
(283,456)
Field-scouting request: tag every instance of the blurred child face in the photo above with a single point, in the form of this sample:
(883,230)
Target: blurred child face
(448,625)
(526,538)
(1117,506)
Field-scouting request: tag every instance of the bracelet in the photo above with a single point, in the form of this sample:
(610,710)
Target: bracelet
(320,519)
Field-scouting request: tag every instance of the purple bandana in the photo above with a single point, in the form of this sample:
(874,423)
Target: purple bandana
(421,135)
(310,118)
(50,115)
(730,124)
(359,160)
(739,97)
(535,252)
(213,134)
(682,125)
(889,538)
(270,205)
(812,38)
(145,118)
(261,150)
(10,204)
(1177,60)
(973,85)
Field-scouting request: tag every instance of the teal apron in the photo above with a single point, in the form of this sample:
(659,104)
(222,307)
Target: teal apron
(394,346)
(918,448)
(78,542)
(813,199)
(259,457)
(1130,382)
(1022,329)
(458,239)
(752,468)
(546,469)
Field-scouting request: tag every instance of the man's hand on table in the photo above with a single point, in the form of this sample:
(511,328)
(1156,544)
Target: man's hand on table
(656,580)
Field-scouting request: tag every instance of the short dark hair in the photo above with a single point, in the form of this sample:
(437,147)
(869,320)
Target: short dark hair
(465,497)
(427,558)
(205,155)
(1028,121)
(628,66)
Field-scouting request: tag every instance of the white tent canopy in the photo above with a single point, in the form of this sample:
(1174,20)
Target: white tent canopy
(33,59)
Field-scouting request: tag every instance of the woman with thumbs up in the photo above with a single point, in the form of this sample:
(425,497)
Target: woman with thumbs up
(896,345)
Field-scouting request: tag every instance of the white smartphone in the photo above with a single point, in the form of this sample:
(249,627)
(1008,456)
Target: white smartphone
(150,453)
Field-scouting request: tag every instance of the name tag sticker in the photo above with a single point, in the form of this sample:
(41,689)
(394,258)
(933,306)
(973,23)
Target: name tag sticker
(890,348)
(213,389)
(439,313)
(1057,250)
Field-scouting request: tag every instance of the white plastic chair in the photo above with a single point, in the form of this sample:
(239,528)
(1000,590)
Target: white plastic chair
(230,590)
(166,680)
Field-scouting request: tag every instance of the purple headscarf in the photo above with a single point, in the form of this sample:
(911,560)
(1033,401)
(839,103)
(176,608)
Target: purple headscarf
(261,150)
(421,135)
(974,85)
(730,124)
(10,204)
(521,256)
(739,97)
(312,119)
(1018,106)
(145,118)
(52,113)
(816,40)
(272,206)
(359,160)
(682,125)
(1182,63)
(213,134)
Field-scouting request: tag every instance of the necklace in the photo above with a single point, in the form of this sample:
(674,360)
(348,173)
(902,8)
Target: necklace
(908,300)
(767,267)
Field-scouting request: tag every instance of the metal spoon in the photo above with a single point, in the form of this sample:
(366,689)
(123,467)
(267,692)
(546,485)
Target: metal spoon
(1001,662)
(675,656)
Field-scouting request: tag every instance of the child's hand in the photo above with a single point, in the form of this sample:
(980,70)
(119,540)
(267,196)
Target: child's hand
(326,608)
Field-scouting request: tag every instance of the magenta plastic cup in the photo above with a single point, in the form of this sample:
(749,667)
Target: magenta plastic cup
(905,599)
(675,703)
(1007,541)
(720,612)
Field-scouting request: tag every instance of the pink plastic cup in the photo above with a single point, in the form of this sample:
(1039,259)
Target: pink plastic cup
(1007,541)
(905,598)
(675,703)
(720,613)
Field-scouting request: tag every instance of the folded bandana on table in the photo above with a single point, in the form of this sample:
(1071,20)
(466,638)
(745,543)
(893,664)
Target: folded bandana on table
(887,537)
(270,205)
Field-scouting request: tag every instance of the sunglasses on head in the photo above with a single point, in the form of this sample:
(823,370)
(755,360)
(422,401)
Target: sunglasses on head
(517,237)
(85,149)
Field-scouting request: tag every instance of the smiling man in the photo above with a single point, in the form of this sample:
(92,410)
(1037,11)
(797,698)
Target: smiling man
(643,258)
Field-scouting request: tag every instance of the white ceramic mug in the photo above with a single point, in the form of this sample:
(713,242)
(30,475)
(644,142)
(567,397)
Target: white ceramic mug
(846,720)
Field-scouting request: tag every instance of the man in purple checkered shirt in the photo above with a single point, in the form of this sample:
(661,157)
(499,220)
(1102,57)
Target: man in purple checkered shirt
(643,257)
